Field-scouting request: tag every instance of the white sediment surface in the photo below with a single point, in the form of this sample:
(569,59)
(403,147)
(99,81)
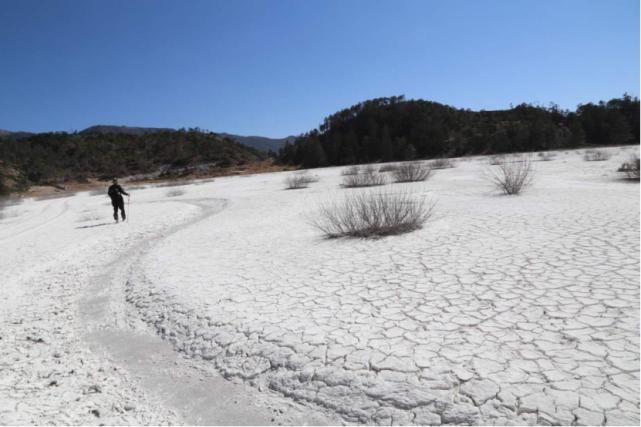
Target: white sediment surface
(222,305)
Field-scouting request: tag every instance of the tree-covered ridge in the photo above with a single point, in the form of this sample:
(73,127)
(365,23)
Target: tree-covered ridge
(387,129)
(57,157)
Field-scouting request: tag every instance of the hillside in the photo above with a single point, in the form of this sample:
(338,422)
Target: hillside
(127,130)
(261,143)
(7,134)
(388,129)
(50,158)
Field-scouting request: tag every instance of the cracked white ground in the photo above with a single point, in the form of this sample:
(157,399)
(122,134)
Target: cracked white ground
(222,305)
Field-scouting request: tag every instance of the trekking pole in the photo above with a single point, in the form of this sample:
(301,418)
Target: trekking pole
(128,210)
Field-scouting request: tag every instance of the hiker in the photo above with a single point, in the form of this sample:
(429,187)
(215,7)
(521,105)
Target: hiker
(115,193)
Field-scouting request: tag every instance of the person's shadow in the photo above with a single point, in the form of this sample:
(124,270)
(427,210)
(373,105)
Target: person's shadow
(94,225)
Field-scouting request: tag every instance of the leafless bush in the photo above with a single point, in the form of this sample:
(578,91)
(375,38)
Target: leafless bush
(88,215)
(441,164)
(204,181)
(631,167)
(352,170)
(388,168)
(136,187)
(177,183)
(373,214)
(546,156)
(412,172)
(299,180)
(367,177)
(174,193)
(496,160)
(511,176)
(596,155)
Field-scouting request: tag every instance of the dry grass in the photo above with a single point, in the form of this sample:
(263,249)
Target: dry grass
(351,170)
(443,163)
(299,180)
(631,167)
(366,177)
(546,156)
(412,172)
(174,193)
(511,176)
(388,168)
(369,214)
(596,156)
(496,160)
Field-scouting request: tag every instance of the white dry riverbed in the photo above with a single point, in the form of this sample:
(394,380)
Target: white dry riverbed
(218,303)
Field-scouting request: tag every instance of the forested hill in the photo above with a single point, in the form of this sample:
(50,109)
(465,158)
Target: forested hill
(261,143)
(48,158)
(388,129)
(131,130)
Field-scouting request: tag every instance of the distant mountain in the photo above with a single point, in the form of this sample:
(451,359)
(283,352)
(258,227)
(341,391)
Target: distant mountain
(261,143)
(126,130)
(14,135)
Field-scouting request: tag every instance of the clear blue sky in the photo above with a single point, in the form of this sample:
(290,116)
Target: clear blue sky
(278,67)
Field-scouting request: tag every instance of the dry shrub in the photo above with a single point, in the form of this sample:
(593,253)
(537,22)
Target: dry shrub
(412,172)
(176,183)
(366,177)
(388,168)
(373,214)
(513,175)
(496,160)
(299,180)
(546,156)
(174,193)
(441,164)
(88,215)
(631,167)
(596,156)
(352,170)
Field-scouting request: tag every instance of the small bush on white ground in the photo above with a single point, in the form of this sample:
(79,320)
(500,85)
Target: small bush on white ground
(546,156)
(351,170)
(596,156)
(89,216)
(367,177)
(299,180)
(412,172)
(443,163)
(631,167)
(174,193)
(511,176)
(388,168)
(496,160)
(373,214)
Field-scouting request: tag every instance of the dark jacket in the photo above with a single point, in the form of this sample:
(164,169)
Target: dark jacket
(115,192)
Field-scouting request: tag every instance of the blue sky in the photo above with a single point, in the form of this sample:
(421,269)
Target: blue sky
(278,67)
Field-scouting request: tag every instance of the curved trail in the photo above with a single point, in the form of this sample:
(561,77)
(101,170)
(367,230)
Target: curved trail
(72,351)
(196,393)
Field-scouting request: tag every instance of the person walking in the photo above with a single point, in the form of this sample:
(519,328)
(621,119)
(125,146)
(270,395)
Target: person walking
(115,193)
